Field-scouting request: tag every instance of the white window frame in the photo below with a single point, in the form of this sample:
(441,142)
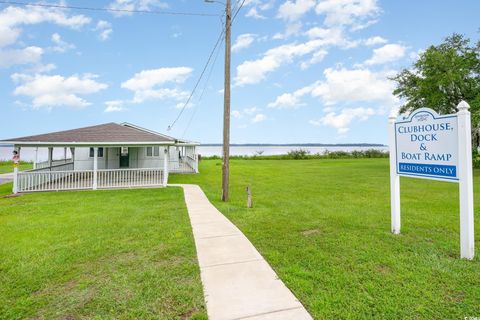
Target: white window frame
(146,152)
(103,152)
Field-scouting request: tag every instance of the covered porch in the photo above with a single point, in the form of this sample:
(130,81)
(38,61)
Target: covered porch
(105,164)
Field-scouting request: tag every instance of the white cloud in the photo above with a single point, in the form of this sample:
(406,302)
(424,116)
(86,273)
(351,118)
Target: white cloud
(294,10)
(256,7)
(291,100)
(254,71)
(115,106)
(375,40)
(147,84)
(252,115)
(354,85)
(54,91)
(387,53)
(316,58)
(104,28)
(253,13)
(292,29)
(13,17)
(342,120)
(250,111)
(259,118)
(41,68)
(10,57)
(60,45)
(243,41)
(347,12)
(344,87)
(143,5)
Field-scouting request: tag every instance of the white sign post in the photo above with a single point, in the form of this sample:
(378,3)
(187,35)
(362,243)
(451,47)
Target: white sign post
(432,146)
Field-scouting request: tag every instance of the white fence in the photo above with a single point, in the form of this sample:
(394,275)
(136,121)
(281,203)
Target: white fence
(31,181)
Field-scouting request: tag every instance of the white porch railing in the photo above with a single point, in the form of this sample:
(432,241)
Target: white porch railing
(127,178)
(57,167)
(31,181)
(184,165)
(45,164)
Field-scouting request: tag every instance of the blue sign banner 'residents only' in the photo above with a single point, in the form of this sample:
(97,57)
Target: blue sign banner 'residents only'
(426,145)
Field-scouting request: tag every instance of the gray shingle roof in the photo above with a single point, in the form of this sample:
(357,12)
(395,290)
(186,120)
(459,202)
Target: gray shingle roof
(108,132)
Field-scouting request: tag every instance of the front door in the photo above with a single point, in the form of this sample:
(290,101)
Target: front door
(124,157)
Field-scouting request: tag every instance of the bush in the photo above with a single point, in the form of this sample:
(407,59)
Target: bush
(298,154)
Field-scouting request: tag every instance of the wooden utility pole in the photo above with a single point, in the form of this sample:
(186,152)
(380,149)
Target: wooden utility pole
(226,105)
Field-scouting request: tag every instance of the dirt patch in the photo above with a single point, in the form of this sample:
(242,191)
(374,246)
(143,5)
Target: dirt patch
(383,269)
(190,314)
(310,232)
(455,296)
(11,195)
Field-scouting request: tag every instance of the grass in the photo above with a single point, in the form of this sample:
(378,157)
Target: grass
(324,226)
(7,166)
(121,254)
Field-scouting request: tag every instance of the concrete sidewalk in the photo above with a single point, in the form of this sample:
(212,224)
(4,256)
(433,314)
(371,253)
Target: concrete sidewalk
(6,177)
(238,283)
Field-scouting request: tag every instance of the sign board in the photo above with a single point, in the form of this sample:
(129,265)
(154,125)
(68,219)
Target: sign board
(426,145)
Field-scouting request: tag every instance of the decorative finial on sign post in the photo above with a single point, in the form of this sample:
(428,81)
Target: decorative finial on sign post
(463,105)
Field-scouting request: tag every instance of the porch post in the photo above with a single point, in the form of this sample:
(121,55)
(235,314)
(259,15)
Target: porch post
(65,155)
(195,155)
(165,166)
(15,174)
(50,156)
(72,152)
(36,159)
(95,167)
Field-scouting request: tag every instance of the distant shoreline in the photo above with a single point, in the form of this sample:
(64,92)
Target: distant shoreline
(279,145)
(296,145)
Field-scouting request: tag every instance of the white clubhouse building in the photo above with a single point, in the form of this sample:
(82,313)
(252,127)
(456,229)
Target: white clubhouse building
(104,156)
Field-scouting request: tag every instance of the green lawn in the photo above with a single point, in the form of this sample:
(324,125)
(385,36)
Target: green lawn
(324,226)
(121,254)
(7,166)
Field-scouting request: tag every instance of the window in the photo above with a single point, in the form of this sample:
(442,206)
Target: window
(99,153)
(149,151)
(156,151)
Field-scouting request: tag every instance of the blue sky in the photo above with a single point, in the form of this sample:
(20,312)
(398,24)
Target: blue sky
(302,71)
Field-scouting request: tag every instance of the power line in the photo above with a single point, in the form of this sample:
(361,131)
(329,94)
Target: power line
(58,6)
(205,68)
(201,94)
(198,81)
(238,10)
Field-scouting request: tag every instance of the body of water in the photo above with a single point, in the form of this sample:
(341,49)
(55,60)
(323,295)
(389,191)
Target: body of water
(28,154)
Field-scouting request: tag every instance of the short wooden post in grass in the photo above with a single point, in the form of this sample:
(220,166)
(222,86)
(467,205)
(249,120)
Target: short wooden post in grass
(249,197)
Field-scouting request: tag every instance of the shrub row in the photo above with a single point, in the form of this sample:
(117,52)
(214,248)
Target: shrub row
(302,154)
